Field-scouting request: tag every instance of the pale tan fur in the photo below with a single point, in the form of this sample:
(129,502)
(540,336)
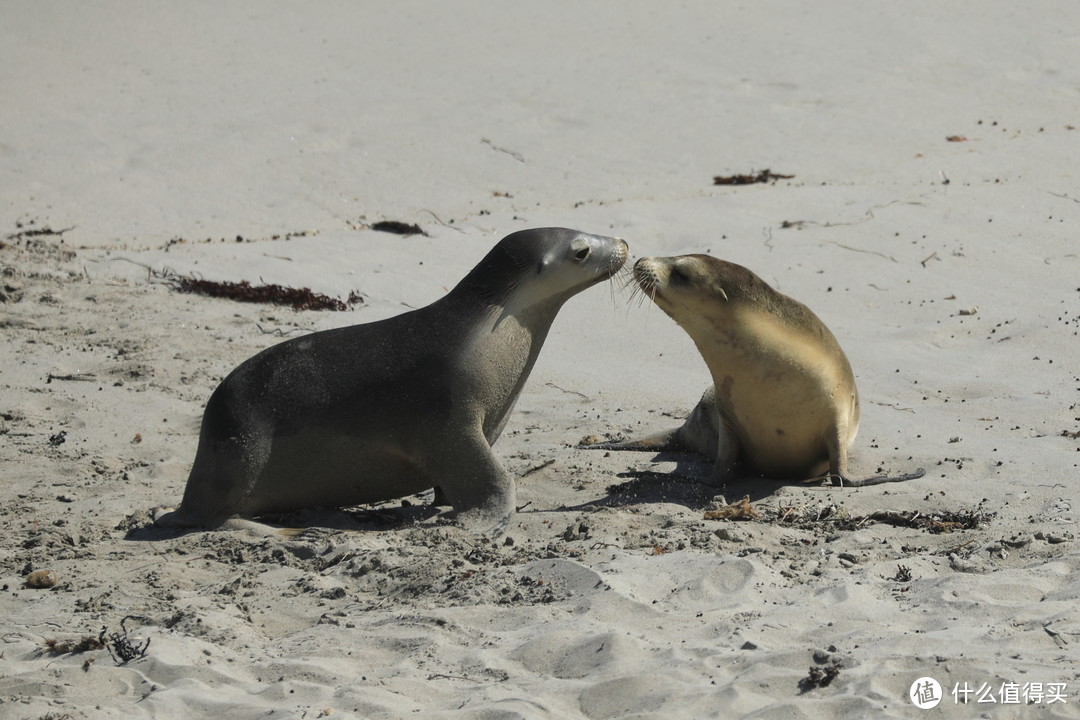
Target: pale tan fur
(783,402)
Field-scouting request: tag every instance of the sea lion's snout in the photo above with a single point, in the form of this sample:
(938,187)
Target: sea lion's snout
(603,256)
(648,271)
(618,256)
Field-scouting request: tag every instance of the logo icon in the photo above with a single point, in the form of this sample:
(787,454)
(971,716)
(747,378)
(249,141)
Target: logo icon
(925,693)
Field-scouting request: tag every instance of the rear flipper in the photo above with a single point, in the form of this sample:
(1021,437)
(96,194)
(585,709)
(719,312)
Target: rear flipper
(167,517)
(170,517)
(661,442)
(842,481)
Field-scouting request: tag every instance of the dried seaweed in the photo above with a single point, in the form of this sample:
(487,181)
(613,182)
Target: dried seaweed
(63,647)
(35,232)
(120,645)
(243,291)
(936,523)
(398,228)
(765,176)
(741,510)
(821,677)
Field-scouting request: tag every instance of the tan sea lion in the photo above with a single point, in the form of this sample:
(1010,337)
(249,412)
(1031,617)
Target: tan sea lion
(783,403)
(387,409)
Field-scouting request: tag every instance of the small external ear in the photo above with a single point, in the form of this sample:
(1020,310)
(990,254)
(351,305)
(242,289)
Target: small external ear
(723,294)
(542,265)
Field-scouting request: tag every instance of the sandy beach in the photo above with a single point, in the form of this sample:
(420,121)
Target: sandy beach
(930,219)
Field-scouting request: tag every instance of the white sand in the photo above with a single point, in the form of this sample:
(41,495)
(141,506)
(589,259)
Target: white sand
(147,129)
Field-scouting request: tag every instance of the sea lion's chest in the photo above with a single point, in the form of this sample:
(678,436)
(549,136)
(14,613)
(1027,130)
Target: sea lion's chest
(776,387)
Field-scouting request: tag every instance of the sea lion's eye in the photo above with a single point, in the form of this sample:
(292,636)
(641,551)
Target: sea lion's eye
(678,276)
(582,253)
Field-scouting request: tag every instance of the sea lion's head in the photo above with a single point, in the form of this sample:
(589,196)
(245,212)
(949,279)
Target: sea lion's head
(690,283)
(536,266)
(700,289)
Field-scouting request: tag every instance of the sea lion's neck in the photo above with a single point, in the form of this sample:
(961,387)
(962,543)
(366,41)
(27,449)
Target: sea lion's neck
(525,333)
(500,350)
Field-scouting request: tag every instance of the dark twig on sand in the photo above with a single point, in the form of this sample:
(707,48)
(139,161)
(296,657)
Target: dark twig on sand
(39,232)
(120,646)
(764,176)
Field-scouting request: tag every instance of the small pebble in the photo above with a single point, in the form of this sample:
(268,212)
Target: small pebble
(42,579)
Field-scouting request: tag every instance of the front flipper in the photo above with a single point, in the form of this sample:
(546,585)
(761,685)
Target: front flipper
(480,490)
(699,433)
(705,432)
(839,480)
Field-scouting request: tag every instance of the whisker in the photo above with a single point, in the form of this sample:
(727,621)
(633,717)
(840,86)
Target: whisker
(621,277)
(650,294)
(611,293)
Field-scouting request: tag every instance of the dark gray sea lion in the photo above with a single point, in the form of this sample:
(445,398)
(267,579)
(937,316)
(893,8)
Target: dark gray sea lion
(383,410)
